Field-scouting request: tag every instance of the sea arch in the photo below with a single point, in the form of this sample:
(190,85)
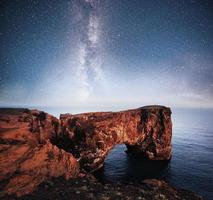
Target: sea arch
(90,136)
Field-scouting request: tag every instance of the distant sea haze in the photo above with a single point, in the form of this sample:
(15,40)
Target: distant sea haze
(192,160)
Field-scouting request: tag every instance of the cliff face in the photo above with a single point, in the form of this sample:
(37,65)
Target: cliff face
(36,146)
(90,136)
(27,156)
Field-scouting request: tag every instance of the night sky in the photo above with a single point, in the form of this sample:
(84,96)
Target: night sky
(106,53)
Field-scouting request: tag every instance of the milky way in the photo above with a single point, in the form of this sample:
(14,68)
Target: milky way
(89,62)
(106,53)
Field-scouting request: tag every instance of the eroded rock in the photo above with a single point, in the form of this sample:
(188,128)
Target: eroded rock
(27,156)
(90,136)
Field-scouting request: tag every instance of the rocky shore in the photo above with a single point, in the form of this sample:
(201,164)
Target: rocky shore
(89,188)
(42,157)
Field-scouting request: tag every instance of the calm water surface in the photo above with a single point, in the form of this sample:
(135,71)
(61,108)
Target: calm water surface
(191,166)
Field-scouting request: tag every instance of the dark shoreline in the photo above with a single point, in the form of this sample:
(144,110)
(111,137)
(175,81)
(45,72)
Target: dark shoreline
(89,188)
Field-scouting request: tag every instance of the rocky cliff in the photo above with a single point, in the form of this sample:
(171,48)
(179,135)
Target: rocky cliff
(36,146)
(90,136)
(27,156)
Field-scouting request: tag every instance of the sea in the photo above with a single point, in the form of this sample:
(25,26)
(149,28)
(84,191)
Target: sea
(191,166)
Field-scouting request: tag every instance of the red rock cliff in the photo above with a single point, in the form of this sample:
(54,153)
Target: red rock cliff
(27,156)
(90,136)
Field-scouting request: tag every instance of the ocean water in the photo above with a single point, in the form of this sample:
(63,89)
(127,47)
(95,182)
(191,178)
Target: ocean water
(191,166)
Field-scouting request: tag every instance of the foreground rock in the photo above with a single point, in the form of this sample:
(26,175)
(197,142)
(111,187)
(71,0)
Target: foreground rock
(27,156)
(90,136)
(89,189)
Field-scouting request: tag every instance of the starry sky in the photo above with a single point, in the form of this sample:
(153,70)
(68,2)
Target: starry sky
(106,53)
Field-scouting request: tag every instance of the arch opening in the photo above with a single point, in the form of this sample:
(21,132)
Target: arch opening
(119,165)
